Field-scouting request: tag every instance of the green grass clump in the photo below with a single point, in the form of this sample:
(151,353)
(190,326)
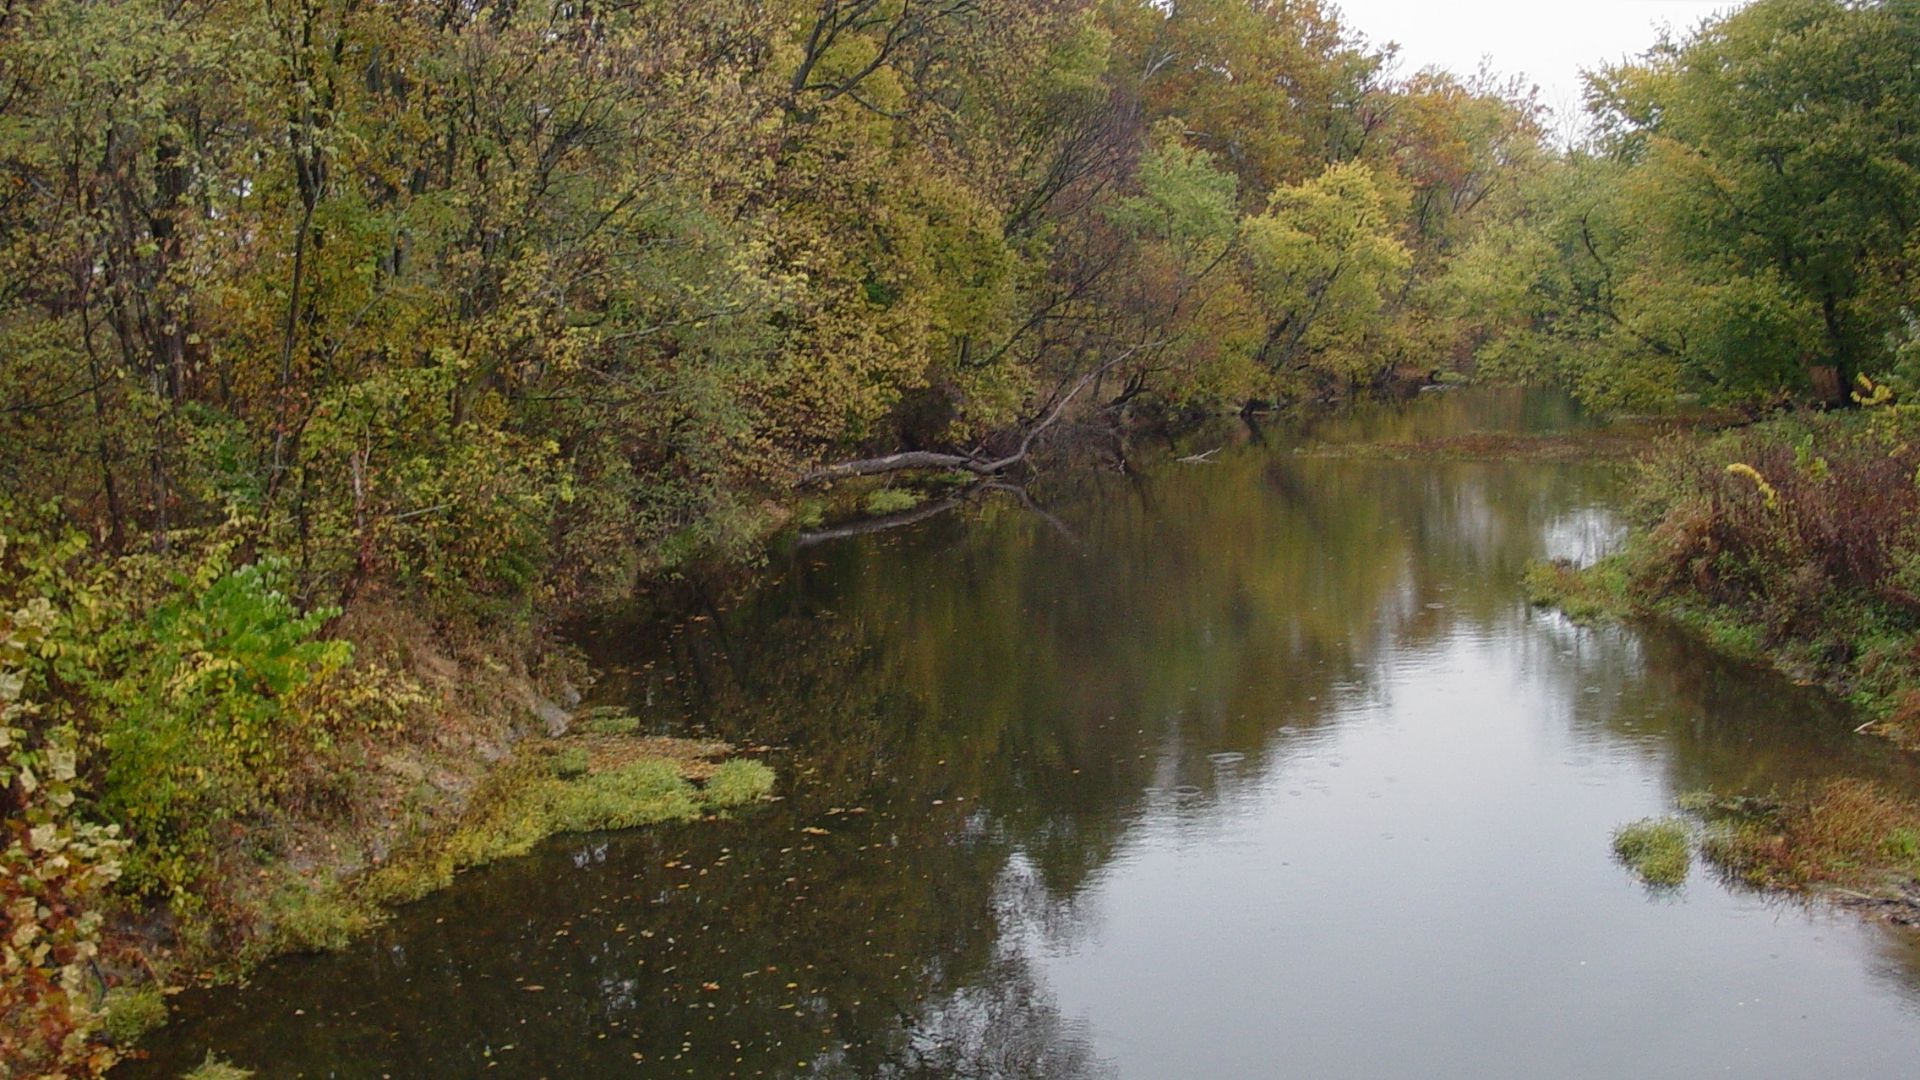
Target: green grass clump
(892,501)
(308,921)
(1583,595)
(129,1012)
(738,783)
(610,723)
(643,793)
(1658,850)
(570,762)
(214,1068)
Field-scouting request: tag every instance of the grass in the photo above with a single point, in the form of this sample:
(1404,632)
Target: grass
(588,785)
(130,1012)
(306,920)
(609,722)
(214,1068)
(1658,850)
(570,763)
(893,501)
(1583,595)
(1842,834)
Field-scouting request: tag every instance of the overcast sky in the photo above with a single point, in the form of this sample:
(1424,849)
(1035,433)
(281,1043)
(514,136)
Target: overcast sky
(1548,40)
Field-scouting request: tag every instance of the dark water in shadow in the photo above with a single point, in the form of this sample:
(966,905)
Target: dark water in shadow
(1261,768)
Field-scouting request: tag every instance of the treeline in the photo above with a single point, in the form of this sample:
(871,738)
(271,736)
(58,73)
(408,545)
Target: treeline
(311,309)
(1745,227)
(1741,226)
(478,297)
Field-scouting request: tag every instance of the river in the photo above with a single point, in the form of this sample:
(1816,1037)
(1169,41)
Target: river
(1261,767)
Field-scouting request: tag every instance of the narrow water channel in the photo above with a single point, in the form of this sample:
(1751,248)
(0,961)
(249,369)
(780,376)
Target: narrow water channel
(1255,768)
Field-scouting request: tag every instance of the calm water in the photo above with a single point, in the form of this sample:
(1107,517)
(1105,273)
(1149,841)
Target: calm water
(1261,768)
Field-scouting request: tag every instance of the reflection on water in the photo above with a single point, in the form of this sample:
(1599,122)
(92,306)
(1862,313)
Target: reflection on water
(1258,768)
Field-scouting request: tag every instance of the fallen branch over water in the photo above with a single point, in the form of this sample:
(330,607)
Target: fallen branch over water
(925,460)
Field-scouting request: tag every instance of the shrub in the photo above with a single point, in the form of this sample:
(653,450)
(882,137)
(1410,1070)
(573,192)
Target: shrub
(56,868)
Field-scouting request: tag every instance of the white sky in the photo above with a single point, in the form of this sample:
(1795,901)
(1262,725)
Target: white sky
(1549,41)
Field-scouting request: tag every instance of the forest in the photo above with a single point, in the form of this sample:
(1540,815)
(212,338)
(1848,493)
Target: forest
(349,348)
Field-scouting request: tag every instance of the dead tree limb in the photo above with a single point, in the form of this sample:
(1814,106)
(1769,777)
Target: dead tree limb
(926,460)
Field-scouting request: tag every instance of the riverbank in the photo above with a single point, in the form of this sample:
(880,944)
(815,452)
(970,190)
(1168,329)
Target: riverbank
(1848,842)
(1791,543)
(1794,542)
(277,781)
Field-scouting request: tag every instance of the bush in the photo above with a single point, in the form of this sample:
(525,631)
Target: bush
(1796,539)
(56,868)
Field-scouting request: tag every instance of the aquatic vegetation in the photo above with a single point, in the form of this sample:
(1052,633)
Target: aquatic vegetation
(1658,850)
(570,763)
(608,722)
(129,1012)
(214,1068)
(1582,594)
(309,920)
(738,783)
(1842,833)
(620,783)
(893,501)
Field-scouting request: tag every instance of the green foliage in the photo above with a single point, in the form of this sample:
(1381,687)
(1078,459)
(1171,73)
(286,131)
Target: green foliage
(1583,594)
(609,723)
(1324,262)
(1659,851)
(525,803)
(486,313)
(1740,228)
(306,920)
(56,866)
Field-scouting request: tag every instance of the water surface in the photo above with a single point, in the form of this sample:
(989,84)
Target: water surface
(1257,768)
